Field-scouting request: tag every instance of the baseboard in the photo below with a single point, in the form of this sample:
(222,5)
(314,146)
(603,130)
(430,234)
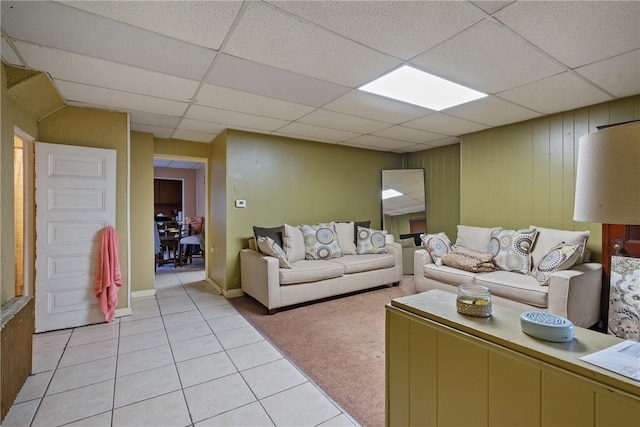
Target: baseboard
(122,312)
(233,293)
(145,293)
(214,285)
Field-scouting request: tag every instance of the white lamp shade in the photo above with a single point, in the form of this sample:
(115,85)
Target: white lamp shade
(608,176)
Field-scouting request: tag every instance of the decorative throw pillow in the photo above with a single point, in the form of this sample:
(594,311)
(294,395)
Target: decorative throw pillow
(274,232)
(549,238)
(562,257)
(476,238)
(293,243)
(268,247)
(437,245)
(371,241)
(345,232)
(356,224)
(512,249)
(320,241)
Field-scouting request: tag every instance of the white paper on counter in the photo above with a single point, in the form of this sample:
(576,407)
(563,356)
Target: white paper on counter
(622,358)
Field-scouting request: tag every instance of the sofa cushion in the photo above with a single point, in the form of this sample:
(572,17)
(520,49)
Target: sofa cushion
(476,238)
(512,249)
(448,275)
(514,286)
(371,241)
(275,233)
(293,243)
(320,241)
(345,232)
(269,247)
(367,262)
(437,245)
(561,257)
(304,271)
(548,238)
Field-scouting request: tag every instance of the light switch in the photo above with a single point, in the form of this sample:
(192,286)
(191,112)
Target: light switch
(241,203)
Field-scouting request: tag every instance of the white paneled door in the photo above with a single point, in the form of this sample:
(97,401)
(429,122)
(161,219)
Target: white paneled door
(75,191)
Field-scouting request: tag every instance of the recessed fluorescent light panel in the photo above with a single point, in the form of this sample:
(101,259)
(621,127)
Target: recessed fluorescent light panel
(387,194)
(416,87)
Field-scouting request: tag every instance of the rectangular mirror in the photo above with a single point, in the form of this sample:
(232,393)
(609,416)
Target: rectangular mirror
(404,212)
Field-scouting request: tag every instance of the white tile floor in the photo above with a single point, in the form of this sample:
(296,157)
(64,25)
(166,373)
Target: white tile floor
(184,358)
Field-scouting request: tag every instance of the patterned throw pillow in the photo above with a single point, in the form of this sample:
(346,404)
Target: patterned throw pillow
(371,241)
(437,245)
(512,249)
(320,241)
(269,247)
(562,257)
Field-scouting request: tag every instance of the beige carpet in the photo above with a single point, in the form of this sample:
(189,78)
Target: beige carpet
(338,343)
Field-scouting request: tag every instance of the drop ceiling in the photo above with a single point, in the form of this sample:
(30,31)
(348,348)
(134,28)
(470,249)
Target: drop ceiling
(189,70)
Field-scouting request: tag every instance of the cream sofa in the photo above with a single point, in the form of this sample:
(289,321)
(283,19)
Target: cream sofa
(564,284)
(267,277)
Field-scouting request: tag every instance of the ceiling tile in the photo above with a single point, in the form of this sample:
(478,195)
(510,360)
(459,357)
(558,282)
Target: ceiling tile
(249,76)
(200,126)
(157,131)
(562,92)
(492,111)
(375,107)
(116,99)
(204,23)
(376,143)
(235,100)
(619,76)
(9,55)
(272,37)
(48,24)
(333,120)
(406,134)
(152,119)
(491,7)
(429,22)
(188,135)
(483,49)
(99,72)
(233,119)
(318,133)
(576,32)
(445,124)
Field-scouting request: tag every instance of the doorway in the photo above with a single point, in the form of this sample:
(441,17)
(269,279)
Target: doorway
(183,182)
(24,224)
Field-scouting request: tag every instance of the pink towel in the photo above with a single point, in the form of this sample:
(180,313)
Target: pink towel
(108,275)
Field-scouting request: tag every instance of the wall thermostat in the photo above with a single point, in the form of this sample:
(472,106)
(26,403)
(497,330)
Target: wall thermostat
(546,326)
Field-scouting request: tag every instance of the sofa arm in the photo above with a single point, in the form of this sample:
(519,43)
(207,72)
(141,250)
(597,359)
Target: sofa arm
(420,258)
(575,293)
(395,249)
(260,277)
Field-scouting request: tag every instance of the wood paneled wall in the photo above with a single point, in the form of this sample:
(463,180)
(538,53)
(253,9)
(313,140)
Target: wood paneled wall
(442,186)
(524,174)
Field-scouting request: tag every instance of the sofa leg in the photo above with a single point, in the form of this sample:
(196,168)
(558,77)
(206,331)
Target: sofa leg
(272,310)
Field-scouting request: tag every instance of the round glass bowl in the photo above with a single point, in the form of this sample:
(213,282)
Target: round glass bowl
(474,300)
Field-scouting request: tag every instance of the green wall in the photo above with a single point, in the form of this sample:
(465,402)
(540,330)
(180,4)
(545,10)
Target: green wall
(442,186)
(142,252)
(293,181)
(524,174)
